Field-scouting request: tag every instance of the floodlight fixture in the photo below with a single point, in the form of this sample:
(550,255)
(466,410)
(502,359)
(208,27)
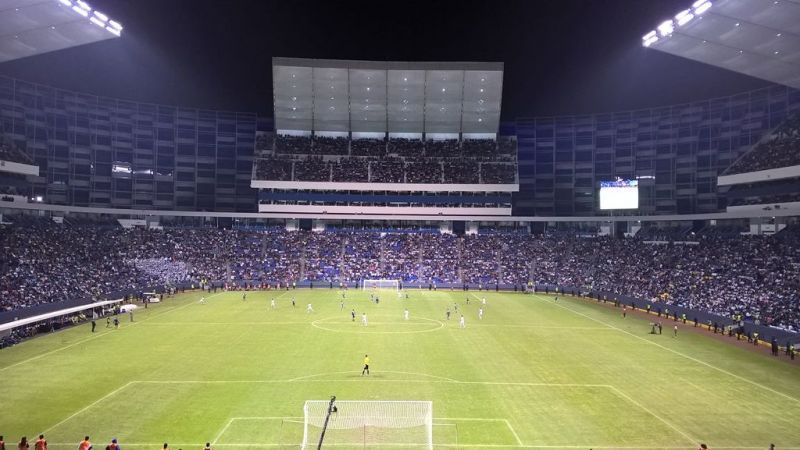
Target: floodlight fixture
(667,27)
(80,11)
(684,17)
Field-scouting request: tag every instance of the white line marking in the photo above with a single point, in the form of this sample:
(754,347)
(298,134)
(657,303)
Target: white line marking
(355,372)
(222,431)
(754,383)
(630,399)
(90,405)
(101,334)
(508,424)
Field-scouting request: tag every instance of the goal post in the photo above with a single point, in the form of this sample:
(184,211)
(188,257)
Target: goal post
(381,284)
(367,423)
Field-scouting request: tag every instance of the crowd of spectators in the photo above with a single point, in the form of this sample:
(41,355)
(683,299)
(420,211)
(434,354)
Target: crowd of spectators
(384,170)
(312,168)
(395,160)
(368,147)
(10,152)
(782,149)
(756,276)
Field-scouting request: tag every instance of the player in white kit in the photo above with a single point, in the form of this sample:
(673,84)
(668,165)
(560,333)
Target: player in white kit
(364,319)
(405,314)
(309,309)
(480,314)
(461,323)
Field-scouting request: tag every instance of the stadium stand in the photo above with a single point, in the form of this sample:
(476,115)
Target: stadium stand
(472,161)
(722,273)
(781,149)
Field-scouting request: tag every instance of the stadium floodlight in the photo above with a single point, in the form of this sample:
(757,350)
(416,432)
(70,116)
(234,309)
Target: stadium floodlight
(97,22)
(65,2)
(684,17)
(650,38)
(701,6)
(666,28)
(100,16)
(83,5)
(80,11)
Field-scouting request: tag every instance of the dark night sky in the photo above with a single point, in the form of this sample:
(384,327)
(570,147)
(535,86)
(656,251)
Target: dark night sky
(561,57)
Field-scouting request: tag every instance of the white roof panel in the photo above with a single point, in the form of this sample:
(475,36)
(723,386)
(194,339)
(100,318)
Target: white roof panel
(759,38)
(33,27)
(374,96)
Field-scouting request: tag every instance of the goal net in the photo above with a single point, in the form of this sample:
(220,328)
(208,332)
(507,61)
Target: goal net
(381,284)
(365,423)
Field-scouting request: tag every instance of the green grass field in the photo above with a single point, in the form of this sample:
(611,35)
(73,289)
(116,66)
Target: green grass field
(532,374)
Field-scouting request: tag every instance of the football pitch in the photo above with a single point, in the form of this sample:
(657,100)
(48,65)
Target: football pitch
(533,373)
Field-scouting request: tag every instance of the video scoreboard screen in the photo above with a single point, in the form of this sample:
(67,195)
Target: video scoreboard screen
(619,194)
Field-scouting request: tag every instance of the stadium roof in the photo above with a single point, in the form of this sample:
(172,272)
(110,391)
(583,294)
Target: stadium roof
(378,97)
(760,38)
(32,27)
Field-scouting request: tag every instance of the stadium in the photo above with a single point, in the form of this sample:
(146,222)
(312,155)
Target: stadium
(458,225)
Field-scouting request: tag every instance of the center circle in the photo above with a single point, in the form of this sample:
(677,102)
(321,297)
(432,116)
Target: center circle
(379,325)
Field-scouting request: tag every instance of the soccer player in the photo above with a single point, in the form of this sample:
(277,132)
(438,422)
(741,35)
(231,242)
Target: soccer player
(364,319)
(116,322)
(468,299)
(273,303)
(85,444)
(293,303)
(23,444)
(405,314)
(309,309)
(94,325)
(2,443)
(108,322)
(244,297)
(461,323)
(448,313)
(202,300)
(675,331)
(483,301)
(353,314)
(341,305)
(113,445)
(130,313)
(480,314)
(208,446)
(166,446)
(366,363)
(41,443)
(556,299)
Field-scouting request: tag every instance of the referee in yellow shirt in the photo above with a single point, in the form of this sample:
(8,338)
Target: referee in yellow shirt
(366,365)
